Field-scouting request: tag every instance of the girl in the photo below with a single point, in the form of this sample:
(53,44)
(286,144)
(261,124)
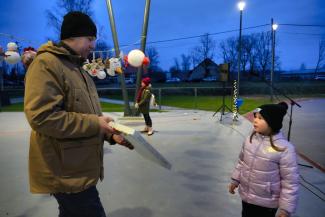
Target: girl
(143,103)
(267,173)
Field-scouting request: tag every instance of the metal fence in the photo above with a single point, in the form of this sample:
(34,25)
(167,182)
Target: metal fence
(167,96)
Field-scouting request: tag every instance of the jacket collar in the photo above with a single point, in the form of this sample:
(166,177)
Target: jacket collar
(275,137)
(74,57)
(63,50)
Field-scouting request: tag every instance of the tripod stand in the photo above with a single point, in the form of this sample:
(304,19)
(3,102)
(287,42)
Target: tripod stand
(223,106)
(292,103)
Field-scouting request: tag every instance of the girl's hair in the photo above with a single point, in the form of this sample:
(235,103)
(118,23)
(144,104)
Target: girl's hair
(271,141)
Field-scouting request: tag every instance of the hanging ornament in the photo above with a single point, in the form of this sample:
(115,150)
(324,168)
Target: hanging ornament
(2,54)
(100,64)
(234,107)
(126,62)
(11,55)
(114,66)
(28,56)
(12,46)
(101,74)
(146,61)
(95,68)
(136,58)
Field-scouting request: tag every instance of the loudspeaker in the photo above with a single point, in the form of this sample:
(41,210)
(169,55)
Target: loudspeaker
(224,72)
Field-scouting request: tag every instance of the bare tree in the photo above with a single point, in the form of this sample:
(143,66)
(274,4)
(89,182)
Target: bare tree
(249,53)
(153,55)
(194,57)
(263,49)
(186,62)
(321,55)
(176,64)
(55,15)
(229,52)
(175,70)
(205,49)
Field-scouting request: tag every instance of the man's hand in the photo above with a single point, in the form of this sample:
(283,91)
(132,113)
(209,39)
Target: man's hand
(104,127)
(232,188)
(283,213)
(136,105)
(122,141)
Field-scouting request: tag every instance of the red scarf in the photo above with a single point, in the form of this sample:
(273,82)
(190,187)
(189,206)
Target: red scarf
(140,94)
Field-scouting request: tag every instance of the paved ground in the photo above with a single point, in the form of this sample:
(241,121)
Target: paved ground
(308,129)
(202,150)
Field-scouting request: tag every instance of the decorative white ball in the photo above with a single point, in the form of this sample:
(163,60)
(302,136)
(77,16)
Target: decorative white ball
(12,57)
(101,74)
(12,46)
(135,58)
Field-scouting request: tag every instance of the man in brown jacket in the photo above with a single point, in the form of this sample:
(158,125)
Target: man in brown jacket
(68,127)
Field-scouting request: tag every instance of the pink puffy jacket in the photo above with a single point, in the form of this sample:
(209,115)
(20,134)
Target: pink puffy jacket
(267,177)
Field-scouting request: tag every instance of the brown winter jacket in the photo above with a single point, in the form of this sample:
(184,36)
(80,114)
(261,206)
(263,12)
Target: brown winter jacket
(62,107)
(144,103)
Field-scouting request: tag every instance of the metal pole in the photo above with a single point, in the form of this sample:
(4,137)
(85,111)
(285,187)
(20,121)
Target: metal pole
(239,51)
(143,44)
(159,98)
(127,110)
(272,67)
(1,84)
(195,98)
(142,48)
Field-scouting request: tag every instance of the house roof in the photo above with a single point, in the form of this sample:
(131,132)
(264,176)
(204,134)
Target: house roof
(195,73)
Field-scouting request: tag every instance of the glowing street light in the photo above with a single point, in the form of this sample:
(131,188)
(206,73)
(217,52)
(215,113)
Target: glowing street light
(241,5)
(274,28)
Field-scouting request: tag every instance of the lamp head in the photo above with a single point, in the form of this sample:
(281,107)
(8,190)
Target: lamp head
(241,5)
(275,26)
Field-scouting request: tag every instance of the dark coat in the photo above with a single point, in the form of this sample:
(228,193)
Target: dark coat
(144,104)
(62,107)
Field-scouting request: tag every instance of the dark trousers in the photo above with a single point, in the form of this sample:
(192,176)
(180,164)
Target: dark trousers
(82,204)
(251,210)
(147,119)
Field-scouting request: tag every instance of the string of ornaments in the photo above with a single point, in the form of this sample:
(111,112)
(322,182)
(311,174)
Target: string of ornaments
(12,55)
(99,67)
(235,101)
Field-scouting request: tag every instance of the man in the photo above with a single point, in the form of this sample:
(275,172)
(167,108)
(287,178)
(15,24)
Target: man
(68,128)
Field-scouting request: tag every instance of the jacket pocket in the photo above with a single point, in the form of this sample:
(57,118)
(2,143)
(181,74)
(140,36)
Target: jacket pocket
(275,189)
(79,159)
(77,100)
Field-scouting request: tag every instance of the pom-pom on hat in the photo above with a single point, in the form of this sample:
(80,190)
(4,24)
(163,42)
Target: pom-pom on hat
(146,81)
(273,114)
(77,24)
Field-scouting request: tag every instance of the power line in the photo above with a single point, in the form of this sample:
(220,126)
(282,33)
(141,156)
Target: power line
(300,33)
(16,38)
(302,25)
(198,36)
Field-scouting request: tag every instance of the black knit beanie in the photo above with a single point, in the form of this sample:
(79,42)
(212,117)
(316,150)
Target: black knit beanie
(273,114)
(77,24)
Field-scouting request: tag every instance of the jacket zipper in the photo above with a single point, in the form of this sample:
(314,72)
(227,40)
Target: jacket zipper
(251,165)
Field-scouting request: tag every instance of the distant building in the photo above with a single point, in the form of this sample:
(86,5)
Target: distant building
(206,70)
(302,74)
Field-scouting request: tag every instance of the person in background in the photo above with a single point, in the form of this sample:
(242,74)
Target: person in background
(62,107)
(267,172)
(143,103)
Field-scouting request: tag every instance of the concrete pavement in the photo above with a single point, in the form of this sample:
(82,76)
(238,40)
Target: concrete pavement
(202,150)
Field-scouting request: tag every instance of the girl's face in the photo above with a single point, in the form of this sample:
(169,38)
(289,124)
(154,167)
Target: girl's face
(260,125)
(143,84)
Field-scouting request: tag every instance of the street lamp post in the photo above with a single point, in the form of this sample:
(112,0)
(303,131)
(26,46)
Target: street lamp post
(127,110)
(241,6)
(274,28)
